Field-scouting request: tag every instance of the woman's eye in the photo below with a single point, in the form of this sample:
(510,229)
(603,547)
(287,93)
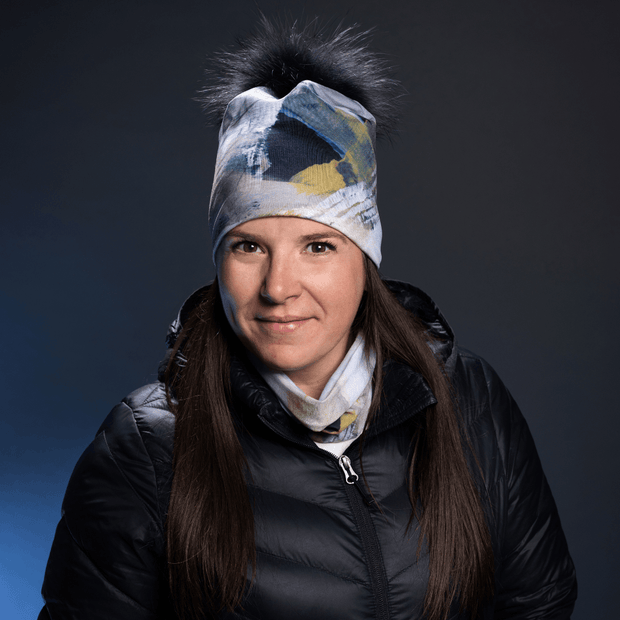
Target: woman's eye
(247,247)
(320,247)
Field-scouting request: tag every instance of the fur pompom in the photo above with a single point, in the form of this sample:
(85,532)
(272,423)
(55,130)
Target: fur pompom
(280,56)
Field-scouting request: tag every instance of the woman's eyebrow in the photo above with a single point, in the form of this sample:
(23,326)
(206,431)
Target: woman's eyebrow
(244,236)
(321,236)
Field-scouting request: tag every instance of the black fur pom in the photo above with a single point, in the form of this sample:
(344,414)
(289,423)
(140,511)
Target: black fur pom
(280,56)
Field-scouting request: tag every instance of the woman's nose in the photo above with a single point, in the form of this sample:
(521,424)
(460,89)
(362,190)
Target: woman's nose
(281,280)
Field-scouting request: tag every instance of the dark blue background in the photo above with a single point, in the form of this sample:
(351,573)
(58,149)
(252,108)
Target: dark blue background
(499,198)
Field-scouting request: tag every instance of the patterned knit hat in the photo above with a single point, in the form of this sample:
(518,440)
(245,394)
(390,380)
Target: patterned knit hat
(310,154)
(299,110)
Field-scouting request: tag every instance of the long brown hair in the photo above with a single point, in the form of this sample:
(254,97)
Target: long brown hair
(210,525)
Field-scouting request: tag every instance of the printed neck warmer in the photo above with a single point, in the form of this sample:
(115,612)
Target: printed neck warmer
(340,412)
(310,154)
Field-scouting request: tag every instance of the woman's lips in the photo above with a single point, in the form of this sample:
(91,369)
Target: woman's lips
(282,325)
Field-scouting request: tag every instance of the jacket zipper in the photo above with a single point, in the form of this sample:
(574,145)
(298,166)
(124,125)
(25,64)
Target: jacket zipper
(361,501)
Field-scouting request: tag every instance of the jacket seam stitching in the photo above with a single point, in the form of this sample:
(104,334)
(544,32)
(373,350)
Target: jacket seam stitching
(394,490)
(299,499)
(312,566)
(497,440)
(122,472)
(99,572)
(157,489)
(147,399)
(400,572)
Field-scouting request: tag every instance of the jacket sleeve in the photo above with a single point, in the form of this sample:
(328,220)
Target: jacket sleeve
(107,559)
(535,576)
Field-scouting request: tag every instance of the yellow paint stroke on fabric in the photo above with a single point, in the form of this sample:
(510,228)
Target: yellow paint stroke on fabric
(360,154)
(319,179)
(279,213)
(346,419)
(324,179)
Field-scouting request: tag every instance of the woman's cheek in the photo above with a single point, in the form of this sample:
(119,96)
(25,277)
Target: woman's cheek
(230,305)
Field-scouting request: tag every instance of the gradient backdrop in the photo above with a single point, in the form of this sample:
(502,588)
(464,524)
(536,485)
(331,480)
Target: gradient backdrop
(499,198)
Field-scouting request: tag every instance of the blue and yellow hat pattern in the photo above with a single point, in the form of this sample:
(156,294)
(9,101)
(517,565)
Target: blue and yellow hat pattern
(310,154)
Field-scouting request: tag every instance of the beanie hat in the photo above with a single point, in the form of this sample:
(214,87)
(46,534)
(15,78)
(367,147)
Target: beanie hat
(299,108)
(309,154)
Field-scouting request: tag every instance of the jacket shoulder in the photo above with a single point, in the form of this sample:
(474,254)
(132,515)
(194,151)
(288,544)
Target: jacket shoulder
(477,371)
(135,436)
(108,555)
(531,554)
(484,399)
(495,425)
(142,417)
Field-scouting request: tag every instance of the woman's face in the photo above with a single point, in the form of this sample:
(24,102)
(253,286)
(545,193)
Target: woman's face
(291,288)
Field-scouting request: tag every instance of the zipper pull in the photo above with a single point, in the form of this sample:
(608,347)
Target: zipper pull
(350,476)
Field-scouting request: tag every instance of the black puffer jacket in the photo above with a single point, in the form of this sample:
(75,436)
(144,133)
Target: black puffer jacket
(323,552)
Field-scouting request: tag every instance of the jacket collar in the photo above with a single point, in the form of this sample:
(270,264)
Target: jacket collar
(405,392)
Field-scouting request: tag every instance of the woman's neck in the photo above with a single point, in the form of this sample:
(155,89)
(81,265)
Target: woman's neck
(311,386)
(312,379)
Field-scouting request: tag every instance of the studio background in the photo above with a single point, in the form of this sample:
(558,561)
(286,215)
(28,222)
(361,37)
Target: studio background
(499,198)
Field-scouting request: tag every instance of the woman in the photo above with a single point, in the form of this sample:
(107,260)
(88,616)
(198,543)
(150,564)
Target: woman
(318,446)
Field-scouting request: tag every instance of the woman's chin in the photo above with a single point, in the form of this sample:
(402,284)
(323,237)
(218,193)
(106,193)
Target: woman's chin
(284,361)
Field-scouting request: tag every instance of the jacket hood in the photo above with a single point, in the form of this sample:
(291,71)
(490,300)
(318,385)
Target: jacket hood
(421,305)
